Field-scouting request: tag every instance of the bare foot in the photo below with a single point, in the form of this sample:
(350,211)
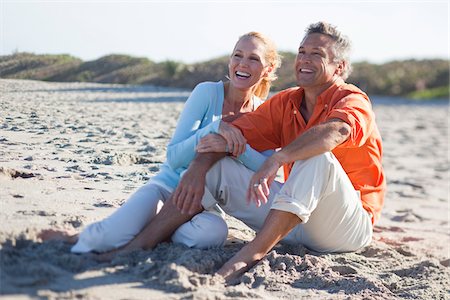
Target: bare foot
(232,270)
(67,236)
(240,263)
(107,256)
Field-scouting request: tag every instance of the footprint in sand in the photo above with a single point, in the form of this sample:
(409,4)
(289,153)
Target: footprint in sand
(13,174)
(407,216)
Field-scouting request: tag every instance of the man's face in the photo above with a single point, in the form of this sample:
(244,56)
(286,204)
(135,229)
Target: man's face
(314,65)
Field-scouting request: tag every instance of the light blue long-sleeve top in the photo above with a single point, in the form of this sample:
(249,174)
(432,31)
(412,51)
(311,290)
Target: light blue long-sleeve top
(201,116)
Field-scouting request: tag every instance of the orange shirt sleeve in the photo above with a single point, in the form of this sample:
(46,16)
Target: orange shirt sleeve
(262,127)
(356,111)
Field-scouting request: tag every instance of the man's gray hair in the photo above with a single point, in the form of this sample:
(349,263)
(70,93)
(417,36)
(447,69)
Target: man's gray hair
(342,44)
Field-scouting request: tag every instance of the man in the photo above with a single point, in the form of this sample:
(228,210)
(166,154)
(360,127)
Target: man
(331,152)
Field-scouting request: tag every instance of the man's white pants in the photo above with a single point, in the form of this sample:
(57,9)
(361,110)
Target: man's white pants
(318,191)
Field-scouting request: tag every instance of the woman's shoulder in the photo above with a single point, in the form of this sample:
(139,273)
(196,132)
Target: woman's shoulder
(209,85)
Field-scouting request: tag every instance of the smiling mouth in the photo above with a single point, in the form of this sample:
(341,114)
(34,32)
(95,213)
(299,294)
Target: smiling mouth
(306,71)
(240,74)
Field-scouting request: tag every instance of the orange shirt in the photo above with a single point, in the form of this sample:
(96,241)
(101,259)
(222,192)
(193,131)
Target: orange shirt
(278,122)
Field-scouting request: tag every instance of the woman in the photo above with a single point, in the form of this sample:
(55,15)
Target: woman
(252,67)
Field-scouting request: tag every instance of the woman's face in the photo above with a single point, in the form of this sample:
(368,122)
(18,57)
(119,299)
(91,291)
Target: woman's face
(247,64)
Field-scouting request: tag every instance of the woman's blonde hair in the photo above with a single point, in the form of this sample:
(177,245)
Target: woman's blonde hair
(272,58)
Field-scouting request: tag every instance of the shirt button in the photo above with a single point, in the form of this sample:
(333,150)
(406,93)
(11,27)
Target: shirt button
(295,112)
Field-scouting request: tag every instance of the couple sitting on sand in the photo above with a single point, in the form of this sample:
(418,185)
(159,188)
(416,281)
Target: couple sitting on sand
(223,159)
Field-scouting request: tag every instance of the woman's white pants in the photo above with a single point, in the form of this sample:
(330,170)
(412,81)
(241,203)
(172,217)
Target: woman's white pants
(205,230)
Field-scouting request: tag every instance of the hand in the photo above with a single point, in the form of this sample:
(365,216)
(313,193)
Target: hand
(212,143)
(235,140)
(258,190)
(189,192)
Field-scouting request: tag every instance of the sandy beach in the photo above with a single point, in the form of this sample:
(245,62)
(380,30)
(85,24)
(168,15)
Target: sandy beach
(71,153)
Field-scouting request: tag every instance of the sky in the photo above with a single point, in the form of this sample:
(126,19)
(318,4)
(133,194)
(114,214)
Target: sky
(194,31)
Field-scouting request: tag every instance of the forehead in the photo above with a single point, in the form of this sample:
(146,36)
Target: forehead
(250,44)
(317,40)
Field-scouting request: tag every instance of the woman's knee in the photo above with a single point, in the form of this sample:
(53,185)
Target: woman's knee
(205,230)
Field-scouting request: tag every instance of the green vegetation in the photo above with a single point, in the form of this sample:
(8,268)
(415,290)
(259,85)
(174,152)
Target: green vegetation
(418,79)
(435,93)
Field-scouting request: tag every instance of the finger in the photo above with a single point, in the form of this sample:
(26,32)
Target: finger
(202,148)
(242,150)
(236,146)
(181,200)
(265,187)
(254,196)
(176,197)
(251,192)
(196,204)
(230,145)
(262,199)
(186,203)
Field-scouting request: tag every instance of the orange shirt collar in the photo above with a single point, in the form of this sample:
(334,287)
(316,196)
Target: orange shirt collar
(297,97)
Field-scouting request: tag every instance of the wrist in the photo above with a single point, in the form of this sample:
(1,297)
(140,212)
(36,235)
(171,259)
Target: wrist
(198,168)
(280,157)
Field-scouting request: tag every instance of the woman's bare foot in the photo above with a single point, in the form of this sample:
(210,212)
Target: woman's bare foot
(63,235)
(108,256)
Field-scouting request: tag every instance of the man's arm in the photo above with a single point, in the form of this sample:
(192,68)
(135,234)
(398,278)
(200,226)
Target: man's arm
(317,140)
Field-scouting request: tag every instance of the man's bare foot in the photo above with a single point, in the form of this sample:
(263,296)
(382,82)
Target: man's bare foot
(67,236)
(230,271)
(240,263)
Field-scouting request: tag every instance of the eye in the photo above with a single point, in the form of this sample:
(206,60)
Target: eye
(254,58)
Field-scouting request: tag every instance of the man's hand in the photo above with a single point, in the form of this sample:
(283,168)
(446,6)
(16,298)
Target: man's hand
(212,143)
(188,195)
(258,190)
(235,140)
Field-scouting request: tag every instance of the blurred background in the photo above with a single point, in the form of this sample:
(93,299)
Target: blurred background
(400,48)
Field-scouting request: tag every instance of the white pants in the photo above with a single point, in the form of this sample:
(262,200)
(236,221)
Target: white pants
(318,191)
(127,221)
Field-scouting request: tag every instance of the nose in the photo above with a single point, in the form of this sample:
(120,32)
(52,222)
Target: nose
(303,57)
(244,61)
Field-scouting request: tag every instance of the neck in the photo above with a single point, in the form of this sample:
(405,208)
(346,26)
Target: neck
(312,93)
(237,98)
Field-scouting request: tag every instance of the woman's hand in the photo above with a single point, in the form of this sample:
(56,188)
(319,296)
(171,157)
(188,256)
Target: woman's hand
(235,140)
(212,143)
(189,192)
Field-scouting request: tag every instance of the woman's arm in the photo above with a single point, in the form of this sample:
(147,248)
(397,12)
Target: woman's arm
(181,149)
(251,158)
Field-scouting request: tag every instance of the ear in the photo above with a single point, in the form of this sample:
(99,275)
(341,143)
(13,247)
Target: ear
(268,71)
(340,67)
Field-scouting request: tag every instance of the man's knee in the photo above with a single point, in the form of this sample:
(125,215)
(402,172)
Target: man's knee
(319,163)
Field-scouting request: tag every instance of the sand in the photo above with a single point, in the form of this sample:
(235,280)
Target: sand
(71,153)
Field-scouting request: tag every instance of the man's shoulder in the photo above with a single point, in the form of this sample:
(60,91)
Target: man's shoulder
(348,89)
(286,94)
